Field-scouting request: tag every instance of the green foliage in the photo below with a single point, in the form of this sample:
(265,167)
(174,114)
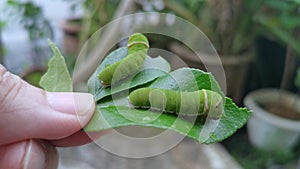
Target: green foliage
(57,78)
(280,18)
(34,78)
(31,18)
(253,158)
(297,79)
(2,24)
(280,21)
(96,8)
(228,24)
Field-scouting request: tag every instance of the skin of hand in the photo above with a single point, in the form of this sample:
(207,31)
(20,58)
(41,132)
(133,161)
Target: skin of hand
(33,122)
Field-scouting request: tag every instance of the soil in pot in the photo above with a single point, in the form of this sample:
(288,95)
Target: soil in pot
(282,111)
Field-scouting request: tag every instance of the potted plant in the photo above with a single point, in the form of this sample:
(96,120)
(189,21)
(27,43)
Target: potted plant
(275,121)
(231,31)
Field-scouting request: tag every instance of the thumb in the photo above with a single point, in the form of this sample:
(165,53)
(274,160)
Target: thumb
(29,112)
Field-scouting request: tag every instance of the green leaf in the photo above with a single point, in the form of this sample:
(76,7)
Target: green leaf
(116,112)
(57,78)
(188,79)
(94,84)
(118,116)
(143,77)
(152,69)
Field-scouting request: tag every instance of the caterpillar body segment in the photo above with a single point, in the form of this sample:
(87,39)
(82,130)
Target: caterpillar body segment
(201,102)
(138,46)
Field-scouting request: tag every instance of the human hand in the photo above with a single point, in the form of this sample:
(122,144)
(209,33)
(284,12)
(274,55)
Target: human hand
(33,122)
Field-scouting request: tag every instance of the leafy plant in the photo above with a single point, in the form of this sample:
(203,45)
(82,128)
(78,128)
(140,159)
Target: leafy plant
(228,23)
(31,18)
(33,77)
(297,79)
(280,21)
(114,111)
(253,158)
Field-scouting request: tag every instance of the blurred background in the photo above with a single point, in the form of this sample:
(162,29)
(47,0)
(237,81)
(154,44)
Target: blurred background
(258,42)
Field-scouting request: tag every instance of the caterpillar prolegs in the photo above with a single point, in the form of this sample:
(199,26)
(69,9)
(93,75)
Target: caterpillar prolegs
(138,46)
(201,102)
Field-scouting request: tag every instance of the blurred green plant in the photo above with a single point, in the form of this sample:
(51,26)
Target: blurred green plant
(31,17)
(2,24)
(34,77)
(280,21)
(228,23)
(297,79)
(253,158)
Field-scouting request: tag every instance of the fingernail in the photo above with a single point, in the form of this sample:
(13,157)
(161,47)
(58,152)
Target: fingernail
(71,103)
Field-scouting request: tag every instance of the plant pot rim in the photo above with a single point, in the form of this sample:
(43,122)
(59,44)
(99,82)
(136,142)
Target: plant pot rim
(211,59)
(68,26)
(228,59)
(253,99)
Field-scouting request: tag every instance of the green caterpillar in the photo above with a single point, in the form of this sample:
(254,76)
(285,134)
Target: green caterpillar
(138,46)
(201,102)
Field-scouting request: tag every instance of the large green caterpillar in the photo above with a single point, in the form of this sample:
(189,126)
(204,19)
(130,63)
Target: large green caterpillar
(201,102)
(138,46)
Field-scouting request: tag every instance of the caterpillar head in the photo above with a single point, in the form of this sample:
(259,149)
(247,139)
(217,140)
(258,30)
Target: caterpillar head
(216,109)
(138,40)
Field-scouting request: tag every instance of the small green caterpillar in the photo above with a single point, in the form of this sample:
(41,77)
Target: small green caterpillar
(138,46)
(201,102)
